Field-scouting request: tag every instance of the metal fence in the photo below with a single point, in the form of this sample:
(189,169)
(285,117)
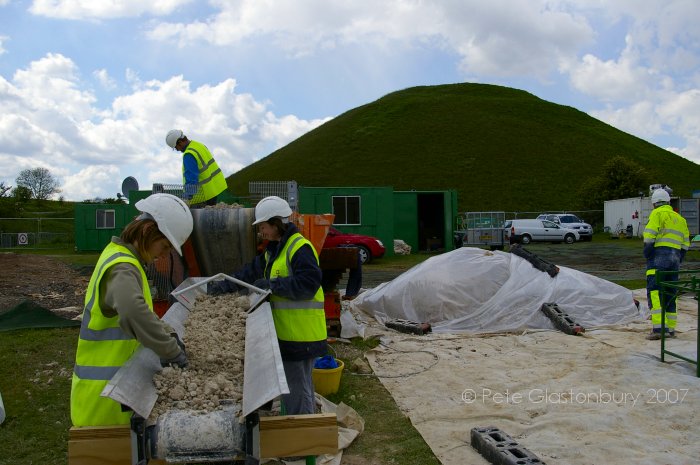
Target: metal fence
(36,233)
(592,217)
(585,214)
(288,190)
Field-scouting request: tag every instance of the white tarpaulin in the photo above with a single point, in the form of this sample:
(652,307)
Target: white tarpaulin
(599,399)
(475,290)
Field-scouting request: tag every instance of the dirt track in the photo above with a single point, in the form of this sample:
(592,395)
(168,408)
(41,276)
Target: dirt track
(611,259)
(41,279)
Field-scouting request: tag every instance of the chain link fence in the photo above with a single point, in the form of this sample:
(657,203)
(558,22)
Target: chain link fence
(36,233)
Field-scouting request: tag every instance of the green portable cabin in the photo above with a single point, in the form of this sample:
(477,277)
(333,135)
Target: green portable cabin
(422,219)
(425,219)
(358,210)
(96,223)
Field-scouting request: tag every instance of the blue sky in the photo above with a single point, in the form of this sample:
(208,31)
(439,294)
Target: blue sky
(89,88)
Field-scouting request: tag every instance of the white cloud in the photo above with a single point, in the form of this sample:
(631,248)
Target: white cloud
(664,31)
(651,87)
(284,129)
(91,9)
(682,111)
(52,84)
(22,135)
(3,39)
(104,79)
(92,181)
(670,113)
(498,38)
(612,80)
(47,120)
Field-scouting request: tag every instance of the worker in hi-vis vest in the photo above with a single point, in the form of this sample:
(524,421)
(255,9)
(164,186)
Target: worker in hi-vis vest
(118,316)
(289,268)
(666,240)
(202,178)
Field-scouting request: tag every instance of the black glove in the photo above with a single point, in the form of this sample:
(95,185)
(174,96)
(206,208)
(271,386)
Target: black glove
(221,287)
(262,283)
(180,361)
(179,341)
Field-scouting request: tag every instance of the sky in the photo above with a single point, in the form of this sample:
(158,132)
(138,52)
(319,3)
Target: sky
(89,88)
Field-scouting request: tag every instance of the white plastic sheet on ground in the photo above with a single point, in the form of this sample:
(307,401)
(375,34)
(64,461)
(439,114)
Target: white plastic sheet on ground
(475,290)
(597,399)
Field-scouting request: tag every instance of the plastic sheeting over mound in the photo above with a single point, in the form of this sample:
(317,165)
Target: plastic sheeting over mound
(474,290)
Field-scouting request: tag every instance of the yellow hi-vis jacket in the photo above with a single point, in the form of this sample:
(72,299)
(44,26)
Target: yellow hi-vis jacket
(102,349)
(296,320)
(211,180)
(666,228)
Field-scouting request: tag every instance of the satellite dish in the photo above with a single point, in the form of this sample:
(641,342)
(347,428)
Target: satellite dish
(129,184)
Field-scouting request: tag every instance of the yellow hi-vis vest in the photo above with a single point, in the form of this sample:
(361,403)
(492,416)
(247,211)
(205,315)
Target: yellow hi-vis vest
(102,349)
(666,228)
(296,320)
(211,180)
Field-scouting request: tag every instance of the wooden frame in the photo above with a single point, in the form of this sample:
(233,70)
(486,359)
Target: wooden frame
(298,435)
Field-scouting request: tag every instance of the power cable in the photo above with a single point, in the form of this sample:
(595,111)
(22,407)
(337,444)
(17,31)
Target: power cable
(404,375)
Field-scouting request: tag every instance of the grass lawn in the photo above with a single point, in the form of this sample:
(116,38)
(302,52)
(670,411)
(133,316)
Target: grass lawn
(35,377)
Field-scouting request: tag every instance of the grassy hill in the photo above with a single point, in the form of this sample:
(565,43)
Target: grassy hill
(500,148)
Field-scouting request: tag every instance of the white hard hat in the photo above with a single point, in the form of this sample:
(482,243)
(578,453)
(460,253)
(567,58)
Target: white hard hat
(270,207)
(172,216)
(660,195)
(173,136)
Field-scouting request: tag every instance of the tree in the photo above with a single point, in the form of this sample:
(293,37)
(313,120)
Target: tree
(39,181)
(620,178)
(4,190)
(21,194)
(112,200)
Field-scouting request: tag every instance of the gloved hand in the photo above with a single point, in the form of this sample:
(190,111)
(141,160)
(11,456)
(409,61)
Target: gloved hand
(180,361)
(221,287)
(262,283)
(179,341)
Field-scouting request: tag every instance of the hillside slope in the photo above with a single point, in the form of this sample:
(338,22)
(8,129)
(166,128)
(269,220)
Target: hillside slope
(500,148)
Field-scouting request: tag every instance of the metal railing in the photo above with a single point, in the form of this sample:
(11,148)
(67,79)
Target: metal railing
(669,289)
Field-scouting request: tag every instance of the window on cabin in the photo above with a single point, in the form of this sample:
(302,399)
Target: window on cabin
(346,210)
(104,219)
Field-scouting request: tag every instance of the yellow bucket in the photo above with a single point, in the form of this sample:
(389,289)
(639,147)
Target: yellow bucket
(327,380)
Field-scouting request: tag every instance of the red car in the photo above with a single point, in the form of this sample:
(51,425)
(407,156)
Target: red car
(370,247)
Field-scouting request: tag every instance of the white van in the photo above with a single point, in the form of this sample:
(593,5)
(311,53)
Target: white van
(571,221)
(526,231)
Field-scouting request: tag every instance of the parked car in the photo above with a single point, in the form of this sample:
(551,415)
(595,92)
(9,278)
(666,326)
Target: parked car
(571,221)
(370,247)
(526,231)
